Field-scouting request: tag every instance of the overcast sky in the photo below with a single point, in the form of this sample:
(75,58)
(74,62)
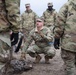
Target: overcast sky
(39,6)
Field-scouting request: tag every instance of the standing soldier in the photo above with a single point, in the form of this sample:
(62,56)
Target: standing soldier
(9,20)
(28,20)
(41,35)
(50,21)
(66,30)
(50,16)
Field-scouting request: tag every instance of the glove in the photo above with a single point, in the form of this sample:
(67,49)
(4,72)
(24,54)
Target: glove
(56,43)
(23,56)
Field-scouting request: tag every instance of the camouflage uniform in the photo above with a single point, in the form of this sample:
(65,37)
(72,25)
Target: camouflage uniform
(28,20)
(49,17)
(9,20)
(66,23)
(41,43)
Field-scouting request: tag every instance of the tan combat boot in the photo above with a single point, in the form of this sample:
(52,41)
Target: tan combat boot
(38,58)
(47,60)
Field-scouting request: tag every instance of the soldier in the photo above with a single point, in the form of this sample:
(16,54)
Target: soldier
(10,23)
(41,35)
(50,16)
(66,30)
(50,21)
(28,20)
(9,20)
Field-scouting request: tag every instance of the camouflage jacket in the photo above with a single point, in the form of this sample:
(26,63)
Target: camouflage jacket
(9,15)
(66,21)
(49,17)
(39,40)
(3,21)
(29,19)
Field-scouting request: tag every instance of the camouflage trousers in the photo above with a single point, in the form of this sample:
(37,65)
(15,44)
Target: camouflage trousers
(33,50)
(69,59)
(4,48)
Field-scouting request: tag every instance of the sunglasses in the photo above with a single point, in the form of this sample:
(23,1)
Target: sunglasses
(27,7)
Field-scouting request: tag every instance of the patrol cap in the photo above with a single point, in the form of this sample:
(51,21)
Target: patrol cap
(50,4)
(41,19)
(27,5)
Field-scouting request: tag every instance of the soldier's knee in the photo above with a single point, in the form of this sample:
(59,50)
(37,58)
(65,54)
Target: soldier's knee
(51,54)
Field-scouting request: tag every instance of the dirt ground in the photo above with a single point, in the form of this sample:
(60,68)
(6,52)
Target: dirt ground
(54,68)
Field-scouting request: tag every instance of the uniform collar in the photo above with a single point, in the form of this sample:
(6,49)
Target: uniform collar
(50,11)
(28,11)
(37,30)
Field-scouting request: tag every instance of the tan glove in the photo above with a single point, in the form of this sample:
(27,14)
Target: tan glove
(23,56)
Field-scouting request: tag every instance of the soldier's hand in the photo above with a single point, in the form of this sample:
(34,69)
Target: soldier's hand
(57,36)
(23,56)
(41,34)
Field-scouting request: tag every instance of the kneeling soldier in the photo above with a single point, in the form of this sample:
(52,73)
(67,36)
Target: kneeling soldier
(42,37)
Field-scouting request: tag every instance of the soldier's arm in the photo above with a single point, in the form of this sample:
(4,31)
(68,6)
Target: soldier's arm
(43,17)
(61,21)
(13,13)
(26,45)
(62,17)
(43,14)
(28,42)
(55,16)
(35,17)
(48,37)
(22,17)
